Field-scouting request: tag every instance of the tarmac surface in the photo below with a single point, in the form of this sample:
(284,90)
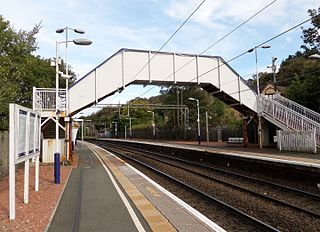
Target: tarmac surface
(90,202)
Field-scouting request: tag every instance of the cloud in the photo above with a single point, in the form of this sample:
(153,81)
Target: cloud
(147,24)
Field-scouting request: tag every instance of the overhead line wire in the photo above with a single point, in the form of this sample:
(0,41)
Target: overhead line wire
(244,22)
(243,53)
(215,43)
(168,40)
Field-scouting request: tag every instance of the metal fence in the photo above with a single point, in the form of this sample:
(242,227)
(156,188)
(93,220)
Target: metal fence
(302,141)
(314,116)
(44,99)
(288,117)
(182,134)
(4,153)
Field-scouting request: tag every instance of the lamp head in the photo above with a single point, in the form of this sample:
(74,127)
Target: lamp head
(314,56)
(65,76)
(79,31)
(266,46)
(60,30)
(52,63)
(84,42)
(191,99)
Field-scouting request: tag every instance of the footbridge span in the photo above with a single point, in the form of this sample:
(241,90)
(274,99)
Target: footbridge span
(128,66)
(212,73)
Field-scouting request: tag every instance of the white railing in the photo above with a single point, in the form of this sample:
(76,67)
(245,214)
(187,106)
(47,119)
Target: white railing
(302,141)
(314,116)
(45,99)
(288,117)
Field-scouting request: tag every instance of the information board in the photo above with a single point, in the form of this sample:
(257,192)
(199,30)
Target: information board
(24,131)
(27,133)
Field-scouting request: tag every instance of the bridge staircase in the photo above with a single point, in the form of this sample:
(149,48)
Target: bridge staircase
(289,115)
(44,101)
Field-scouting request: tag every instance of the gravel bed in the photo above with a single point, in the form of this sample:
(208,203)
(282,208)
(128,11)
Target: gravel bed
(277,193)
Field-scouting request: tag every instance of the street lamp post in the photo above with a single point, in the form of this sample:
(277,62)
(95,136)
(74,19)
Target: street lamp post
(255,49)
(153,125)
(68,122)
(207,127)
(82,139)
(130,126)
(115,128)
(57,153)
(274,69)
(198,118)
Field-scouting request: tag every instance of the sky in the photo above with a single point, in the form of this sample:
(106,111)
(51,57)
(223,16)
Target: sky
(147,24)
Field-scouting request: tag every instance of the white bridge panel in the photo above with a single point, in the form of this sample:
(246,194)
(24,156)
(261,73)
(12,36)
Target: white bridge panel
(136,66)
(144,67)
(185,68)
(229,82)
(83,92)
(208,70)
(161,67)
(247,96)
(109,77)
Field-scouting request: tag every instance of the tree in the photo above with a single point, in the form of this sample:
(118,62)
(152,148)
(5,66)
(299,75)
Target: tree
(19,69)
(304,74)
(310,36)
(220,112)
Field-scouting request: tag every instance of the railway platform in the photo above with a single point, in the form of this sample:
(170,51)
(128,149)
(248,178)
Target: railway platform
(104,193)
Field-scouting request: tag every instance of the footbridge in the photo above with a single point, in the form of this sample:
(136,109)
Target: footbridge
(127,67)
(211,73)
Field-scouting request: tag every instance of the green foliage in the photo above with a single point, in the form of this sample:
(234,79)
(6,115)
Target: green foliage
(19,69)
(301,74)
(310,36)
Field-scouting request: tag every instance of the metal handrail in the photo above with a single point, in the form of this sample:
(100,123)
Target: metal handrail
(288,117)
(44,99)
(314,116)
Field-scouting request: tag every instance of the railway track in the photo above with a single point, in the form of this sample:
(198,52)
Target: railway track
(262,183)
(239,187)
(251,220)
(198,172)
